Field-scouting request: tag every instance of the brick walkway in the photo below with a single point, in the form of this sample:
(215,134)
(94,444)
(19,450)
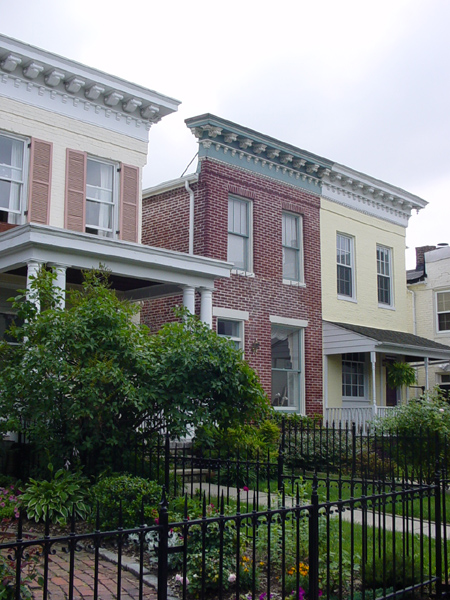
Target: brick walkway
(58,579)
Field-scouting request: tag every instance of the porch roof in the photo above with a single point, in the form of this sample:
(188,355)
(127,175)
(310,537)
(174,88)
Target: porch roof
(340,338)
(138,271)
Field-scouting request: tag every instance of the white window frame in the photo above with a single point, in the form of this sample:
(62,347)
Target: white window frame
(248,236)
(18,217)
(442,312)
(299,326)
(350,267)
(361,363)
(388,277)
(300,279)
(96,229)
(238,339)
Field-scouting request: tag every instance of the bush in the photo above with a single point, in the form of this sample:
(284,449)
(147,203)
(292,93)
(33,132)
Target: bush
(384,571)
(57,499)
(248,442)
(126,493)
(417,427)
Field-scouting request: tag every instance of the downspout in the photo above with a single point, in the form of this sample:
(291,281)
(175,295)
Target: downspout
(414,311)
(191,216)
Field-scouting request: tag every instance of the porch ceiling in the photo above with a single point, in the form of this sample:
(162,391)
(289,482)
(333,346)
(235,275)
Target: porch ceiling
(340,338)
(140,271)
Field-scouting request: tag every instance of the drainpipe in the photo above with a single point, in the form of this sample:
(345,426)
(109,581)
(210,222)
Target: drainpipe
(191,216)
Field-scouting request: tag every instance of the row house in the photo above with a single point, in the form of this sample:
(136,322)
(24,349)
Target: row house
(317,297)
(429,286)
(73,142)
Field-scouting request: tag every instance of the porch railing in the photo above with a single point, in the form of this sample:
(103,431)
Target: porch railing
(361,416)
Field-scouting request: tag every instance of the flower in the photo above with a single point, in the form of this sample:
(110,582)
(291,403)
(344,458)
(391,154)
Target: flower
(179,579)
(245,489)
(232,577)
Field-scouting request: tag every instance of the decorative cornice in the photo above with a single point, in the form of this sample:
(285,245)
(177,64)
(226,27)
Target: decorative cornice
(269,156)
(48,81)
(369,195)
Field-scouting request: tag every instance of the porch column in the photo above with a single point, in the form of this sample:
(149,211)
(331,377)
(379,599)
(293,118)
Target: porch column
(425,362)
(373,363)
(32,272)
(59,285)
(206,306)
(189,298)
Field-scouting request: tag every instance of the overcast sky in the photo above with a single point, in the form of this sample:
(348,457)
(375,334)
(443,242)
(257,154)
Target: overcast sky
(365,84)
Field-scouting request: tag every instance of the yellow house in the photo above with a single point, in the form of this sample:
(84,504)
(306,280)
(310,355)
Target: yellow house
(366,307)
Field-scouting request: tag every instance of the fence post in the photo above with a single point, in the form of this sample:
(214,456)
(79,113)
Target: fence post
(163,545)
(353,450)
(167,462)
(438,522)
(280,465)
(314,543)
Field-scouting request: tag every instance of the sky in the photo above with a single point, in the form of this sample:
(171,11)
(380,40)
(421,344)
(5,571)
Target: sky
(365,84)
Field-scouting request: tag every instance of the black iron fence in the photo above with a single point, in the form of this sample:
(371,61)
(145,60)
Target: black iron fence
(330,513)
(384,542)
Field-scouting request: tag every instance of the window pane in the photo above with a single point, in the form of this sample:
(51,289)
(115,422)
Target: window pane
(444,321)
(443,299)
(98,216)
(230,328)
(285,389)
(290,231)
(238,217)
(237,251)
(344,281)
(290,264)
(353,375)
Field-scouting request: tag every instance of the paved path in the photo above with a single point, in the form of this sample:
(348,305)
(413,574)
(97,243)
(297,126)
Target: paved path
(58,579)
(385,521)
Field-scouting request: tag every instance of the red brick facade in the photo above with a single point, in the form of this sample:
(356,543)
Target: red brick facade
(165,224)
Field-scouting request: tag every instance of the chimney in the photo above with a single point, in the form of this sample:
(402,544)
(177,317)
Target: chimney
(420,252)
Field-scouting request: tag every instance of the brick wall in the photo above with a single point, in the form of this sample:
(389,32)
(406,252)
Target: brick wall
(264,294)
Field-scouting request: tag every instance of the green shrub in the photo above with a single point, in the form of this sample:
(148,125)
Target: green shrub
(65,493)
(247,442)
(132,492)
(416,428)
(402,572)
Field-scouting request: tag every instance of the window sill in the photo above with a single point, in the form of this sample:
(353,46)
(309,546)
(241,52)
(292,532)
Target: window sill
(386,306)
(347,299)
(293,283)
(242,273)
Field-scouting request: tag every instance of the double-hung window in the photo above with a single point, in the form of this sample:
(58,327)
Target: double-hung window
(286,366)
(353,376)
(233,330)
(384,275)
(239,234)
(292,247)
(100,198)
(12,179)
(345,266)
(443,311)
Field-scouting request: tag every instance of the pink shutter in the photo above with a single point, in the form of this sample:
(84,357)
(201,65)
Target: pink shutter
(75,190)
(129,203)
(40,180)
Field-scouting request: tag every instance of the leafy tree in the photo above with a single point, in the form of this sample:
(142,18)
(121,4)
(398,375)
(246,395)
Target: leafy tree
(83,380)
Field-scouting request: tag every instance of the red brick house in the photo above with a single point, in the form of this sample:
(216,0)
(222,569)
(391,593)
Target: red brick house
(254,202)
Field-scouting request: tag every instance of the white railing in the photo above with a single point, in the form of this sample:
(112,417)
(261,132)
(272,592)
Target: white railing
(361,416)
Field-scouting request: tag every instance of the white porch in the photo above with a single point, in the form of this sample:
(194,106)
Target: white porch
(356,360)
